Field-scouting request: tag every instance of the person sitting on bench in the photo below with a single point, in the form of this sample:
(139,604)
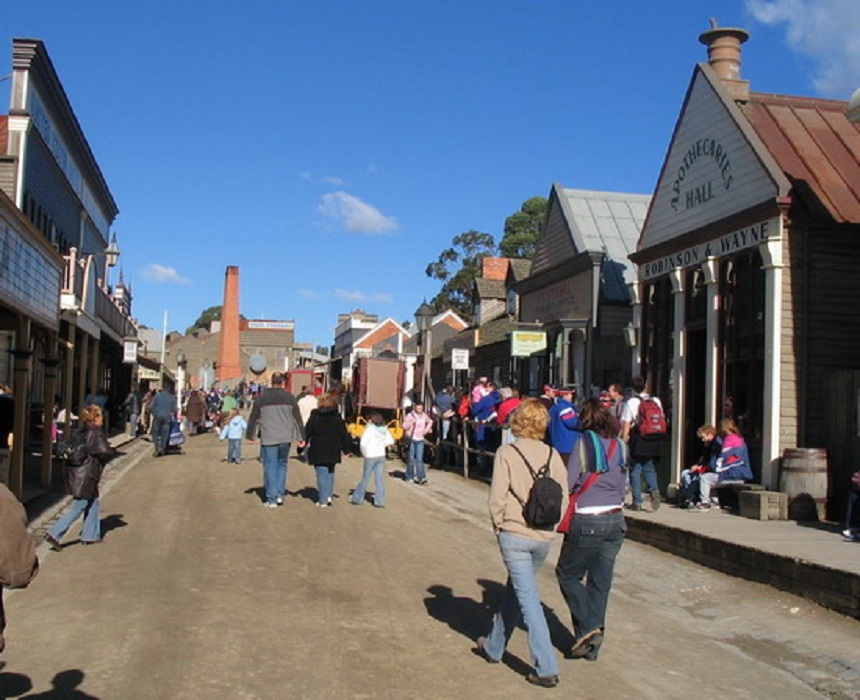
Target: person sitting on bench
(733,464)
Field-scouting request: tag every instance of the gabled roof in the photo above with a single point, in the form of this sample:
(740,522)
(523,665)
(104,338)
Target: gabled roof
(490,289)
(519,269)
(816,147)
(597,222)
(381,331)
(451,319)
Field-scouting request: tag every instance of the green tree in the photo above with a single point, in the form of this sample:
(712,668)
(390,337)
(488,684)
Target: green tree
(213,313)
(457,268)
(523,228)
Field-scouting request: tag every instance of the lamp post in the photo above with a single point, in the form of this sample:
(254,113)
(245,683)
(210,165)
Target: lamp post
(424,320)
(180,379)
(112,253)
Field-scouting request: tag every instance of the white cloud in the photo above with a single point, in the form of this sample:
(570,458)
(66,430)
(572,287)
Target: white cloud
(357,216)
(163,275)
(827,31)
(333,181)
(308,294)
(356,295)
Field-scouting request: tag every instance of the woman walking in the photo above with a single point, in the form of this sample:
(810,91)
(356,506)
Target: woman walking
(374,443)
(597,476)
(524,549)
(327,439)
(82,482)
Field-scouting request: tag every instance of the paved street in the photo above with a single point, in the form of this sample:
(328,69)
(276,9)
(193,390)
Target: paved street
(200,592)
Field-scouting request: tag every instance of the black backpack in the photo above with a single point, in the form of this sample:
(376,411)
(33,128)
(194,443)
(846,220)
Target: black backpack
(542,509)
(74,450)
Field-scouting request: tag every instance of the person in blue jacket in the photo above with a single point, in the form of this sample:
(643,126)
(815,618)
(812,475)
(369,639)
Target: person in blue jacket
(487,431)
(563,429)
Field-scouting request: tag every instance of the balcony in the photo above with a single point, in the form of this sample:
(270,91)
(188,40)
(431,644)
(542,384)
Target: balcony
(82,292)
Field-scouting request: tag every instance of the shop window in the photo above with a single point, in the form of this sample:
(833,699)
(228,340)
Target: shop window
(742,350)
(658,325)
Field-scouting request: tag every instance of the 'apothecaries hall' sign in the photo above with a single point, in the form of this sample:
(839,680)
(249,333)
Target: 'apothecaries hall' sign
(723,246)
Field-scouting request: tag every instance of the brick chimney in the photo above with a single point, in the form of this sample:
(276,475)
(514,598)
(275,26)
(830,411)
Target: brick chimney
(724,56)
(494,268)
(229,366)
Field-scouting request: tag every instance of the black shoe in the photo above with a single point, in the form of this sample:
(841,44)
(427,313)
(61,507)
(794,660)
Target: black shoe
(480,650)
(54,542)
(542,681)
(633,506)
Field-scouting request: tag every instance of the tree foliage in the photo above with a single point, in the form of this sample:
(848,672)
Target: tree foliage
(457,268)
(523,228)
(204,321)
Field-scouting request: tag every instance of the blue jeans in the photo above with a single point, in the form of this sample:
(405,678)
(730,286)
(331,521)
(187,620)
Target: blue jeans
(234,450)
(274,459)
(376,466)
(639,468)
(589,550)
(325,482)
(522,557)
(91,530)
(132,425)
(415,464)
(160,434)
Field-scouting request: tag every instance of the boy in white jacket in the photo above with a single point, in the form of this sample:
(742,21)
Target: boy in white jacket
(374,442)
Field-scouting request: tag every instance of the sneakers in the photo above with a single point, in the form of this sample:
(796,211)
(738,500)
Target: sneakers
(655,500)
(633,506)
(703,506)
(279,501)
(421,482)
(54,542)
(847,535)
(322,505)
(270,505)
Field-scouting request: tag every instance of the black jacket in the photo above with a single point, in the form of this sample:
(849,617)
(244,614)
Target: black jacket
(327,436)
(82,481)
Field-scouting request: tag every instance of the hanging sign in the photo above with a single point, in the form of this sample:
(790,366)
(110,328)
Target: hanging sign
(527,343)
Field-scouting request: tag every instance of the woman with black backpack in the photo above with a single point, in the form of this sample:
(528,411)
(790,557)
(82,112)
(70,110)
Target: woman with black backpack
(525,529)
(82,478)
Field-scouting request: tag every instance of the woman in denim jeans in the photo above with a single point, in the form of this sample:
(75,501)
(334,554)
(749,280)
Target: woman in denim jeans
(597,529)
(415,426)
(524,549)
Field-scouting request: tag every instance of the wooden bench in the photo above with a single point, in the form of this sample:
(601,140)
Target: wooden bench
(729,492)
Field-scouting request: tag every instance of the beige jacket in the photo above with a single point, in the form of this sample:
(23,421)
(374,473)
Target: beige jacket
(510,474)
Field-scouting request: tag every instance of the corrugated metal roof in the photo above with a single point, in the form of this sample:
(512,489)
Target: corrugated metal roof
(815,145)
(607,222)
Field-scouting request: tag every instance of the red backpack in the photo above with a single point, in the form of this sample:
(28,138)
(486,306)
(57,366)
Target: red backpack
(651,422)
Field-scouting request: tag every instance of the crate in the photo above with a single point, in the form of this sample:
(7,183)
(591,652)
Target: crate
(763,505)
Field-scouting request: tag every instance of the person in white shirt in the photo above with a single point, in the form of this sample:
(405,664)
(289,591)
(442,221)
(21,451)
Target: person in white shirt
(643,452)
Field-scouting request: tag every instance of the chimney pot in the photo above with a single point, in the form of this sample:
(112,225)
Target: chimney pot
(724,56)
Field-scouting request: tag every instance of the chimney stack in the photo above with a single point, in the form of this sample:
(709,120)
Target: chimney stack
(229,365)
(724,56)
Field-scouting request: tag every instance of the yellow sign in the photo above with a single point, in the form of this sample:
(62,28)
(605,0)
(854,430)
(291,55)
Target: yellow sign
(526,343)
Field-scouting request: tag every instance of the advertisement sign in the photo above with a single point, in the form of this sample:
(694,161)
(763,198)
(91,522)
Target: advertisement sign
(129,350)
(527,343)
(459,358)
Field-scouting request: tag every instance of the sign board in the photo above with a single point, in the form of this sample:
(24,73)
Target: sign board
(526,343)
(459,358)
(129,351)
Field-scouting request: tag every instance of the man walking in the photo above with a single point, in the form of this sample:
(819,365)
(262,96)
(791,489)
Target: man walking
(563,428)
(161,410)
(644,451)
(277,412)
(131,408)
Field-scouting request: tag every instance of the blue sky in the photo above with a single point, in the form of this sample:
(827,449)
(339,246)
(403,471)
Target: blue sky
(331,149)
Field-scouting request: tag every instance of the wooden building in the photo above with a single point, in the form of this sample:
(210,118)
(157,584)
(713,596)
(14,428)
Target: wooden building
(745,301)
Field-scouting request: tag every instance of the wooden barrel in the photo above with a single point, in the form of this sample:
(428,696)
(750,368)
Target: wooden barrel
(803,477)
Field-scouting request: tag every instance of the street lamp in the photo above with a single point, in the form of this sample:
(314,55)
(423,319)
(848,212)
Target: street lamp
(424,320)
(111,255)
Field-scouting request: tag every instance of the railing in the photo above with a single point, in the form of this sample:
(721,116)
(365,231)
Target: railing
(461,443)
